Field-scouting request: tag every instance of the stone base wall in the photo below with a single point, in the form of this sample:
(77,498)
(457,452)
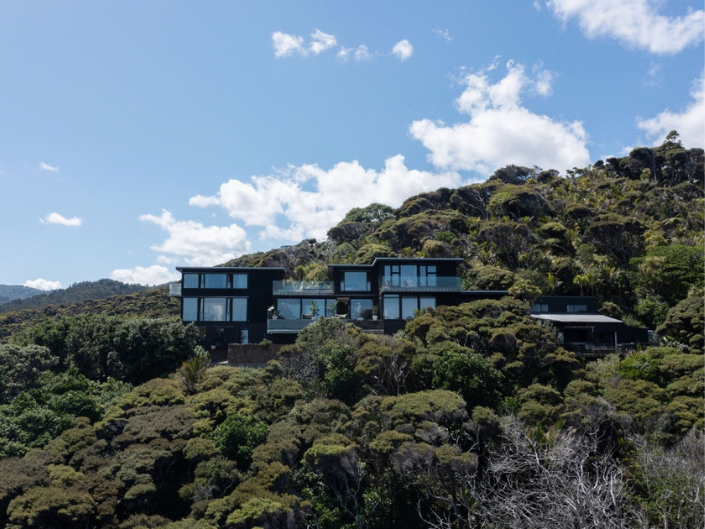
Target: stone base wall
(251,353)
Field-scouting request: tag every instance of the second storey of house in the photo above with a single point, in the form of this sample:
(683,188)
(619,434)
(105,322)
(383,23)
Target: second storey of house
(219,294)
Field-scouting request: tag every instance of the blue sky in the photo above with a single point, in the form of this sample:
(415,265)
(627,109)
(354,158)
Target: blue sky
(140,136)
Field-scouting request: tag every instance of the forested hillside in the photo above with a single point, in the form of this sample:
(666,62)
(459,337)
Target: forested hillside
(78,292)
(472,417)
(151,303)
(10,292)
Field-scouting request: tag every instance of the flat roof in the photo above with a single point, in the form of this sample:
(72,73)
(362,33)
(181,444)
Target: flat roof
(576,318)
(227,268)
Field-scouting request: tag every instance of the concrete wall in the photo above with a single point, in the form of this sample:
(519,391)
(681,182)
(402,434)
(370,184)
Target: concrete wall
(251,353)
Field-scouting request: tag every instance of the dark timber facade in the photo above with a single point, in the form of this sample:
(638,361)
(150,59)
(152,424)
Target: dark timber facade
(248,305)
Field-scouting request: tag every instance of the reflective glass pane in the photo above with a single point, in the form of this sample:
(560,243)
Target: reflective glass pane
(190,280)
(213,309)
(408,275)
(290,309)
(391,307)
(313,307)
(427,303)
(190,310)
(408,306)
(216,280)
(358,306)
(239,280)
(239,309)
(356,281)
(330,308)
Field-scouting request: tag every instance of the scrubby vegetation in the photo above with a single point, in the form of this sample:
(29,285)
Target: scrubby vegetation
(472,417)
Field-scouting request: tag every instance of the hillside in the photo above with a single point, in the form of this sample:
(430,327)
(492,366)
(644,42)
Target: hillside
(84,290)
(474,416)
(607,230)
(11,292)
(150,303)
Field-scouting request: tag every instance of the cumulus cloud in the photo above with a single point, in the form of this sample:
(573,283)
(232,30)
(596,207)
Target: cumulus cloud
(321,42)
(149,275)
(42,284)
(56,218)
(501,131)
(286,45)
(635,23)
(360,54)
(47,167)
(200,245)
(310,200)
(688,122)
(403,49)
(444,34)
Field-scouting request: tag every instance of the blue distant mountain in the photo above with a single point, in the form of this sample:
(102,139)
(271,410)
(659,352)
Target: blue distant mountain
(12,292)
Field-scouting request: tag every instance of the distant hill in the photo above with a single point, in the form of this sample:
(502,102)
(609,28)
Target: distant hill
(12,292)
(149,303)
(100,289)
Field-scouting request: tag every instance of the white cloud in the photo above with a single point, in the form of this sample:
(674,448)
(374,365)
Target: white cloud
(286,45)
(403,49)
(688,123)
(321,42)
(49,168)
(635,23)
(200,245)
(537,6)
(56,218)
(42,284)
(444,34)
(501,131)
(311,200)
(150,275)
(362,53)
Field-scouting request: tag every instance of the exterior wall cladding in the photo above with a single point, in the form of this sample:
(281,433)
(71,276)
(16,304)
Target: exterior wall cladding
(248,305)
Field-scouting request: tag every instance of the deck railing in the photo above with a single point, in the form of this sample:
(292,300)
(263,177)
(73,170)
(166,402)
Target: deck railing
(301,288)
(419,284)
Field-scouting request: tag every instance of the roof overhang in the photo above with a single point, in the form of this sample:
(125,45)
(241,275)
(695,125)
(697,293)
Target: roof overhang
(576,318)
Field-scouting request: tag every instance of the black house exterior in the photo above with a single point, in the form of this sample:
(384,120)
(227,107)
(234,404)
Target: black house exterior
(582,329)
(248,305)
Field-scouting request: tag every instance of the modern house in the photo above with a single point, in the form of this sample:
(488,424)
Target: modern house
(248,305)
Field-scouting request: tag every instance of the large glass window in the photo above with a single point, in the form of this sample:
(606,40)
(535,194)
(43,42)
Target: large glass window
(355,282)
(239,312)
(427,276)
(577,308)
(190,309)
(289,309)
(427,303)
(239,280)
(408,276)
(392,275)
(358,308)
(190,281)
(213,309)
(408,306)
(216,280)
(391,307)
(244,336)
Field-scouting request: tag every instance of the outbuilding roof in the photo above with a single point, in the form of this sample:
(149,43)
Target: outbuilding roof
(576,318)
